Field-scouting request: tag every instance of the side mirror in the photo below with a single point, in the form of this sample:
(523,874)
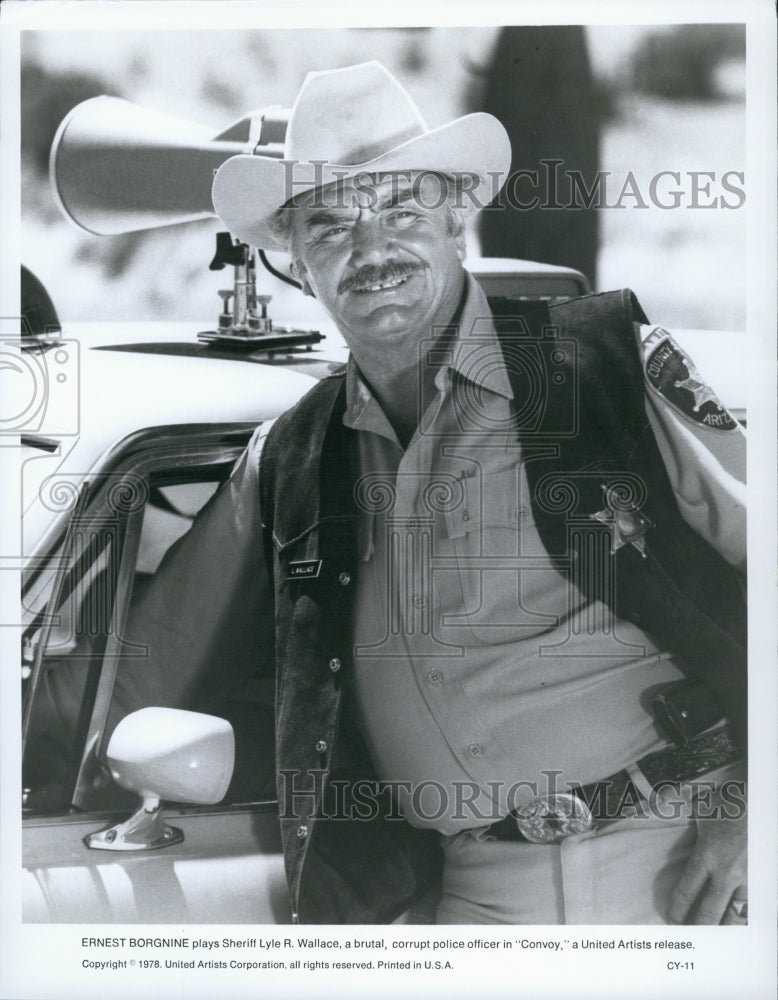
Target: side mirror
(165,753)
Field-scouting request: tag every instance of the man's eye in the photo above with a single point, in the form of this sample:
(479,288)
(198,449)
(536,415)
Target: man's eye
(329,234)
(334,231)
(402,215)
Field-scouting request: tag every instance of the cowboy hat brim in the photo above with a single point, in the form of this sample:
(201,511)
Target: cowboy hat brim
(248,190)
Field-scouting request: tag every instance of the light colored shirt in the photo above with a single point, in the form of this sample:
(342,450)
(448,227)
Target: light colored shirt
(477,664)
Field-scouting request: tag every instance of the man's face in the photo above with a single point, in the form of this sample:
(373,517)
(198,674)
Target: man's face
(384,257)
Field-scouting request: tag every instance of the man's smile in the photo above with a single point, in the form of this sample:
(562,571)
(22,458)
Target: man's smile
(382,286)
(380,277)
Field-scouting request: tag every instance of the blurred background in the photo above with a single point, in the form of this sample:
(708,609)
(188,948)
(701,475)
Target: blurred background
(629,101)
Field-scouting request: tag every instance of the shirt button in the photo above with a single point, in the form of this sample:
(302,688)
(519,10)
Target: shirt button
(522,513)
(302,831)
(435,677)
(475,750)
(321,746)
(419,600)
(344,578)
(335,664)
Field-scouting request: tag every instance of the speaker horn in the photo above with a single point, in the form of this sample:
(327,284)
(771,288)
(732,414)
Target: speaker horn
(116,167)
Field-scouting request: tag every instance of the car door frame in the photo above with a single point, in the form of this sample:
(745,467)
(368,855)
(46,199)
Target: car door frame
(234,840)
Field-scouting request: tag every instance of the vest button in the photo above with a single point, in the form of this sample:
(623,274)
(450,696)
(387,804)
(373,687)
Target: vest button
(335,664)
(475,750)
(344,578)
(435,677)
(321,746)
(302,831)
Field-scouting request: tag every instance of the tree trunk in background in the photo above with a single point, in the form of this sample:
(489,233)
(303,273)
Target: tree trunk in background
(540,86)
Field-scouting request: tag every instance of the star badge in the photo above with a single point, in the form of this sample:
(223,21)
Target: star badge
(702,393)
(628,527)
(674,376)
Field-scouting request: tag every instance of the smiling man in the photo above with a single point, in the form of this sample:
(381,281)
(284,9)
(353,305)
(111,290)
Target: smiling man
(385,305)
(340,256)
(504,544)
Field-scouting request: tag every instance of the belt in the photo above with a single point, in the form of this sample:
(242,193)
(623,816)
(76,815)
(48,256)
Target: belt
(548,819)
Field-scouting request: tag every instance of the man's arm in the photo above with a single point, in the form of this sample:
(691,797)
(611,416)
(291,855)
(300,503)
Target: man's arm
(702,445)
(206,617)
(716,873)
(704,452)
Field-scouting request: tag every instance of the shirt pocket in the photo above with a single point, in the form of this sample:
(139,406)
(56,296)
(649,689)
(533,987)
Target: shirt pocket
(491,573)
(492,511)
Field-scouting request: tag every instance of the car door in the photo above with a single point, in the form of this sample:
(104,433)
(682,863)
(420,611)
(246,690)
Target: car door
(77,595)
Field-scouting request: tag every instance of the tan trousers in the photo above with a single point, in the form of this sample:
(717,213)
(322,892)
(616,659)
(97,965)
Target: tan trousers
(621,873)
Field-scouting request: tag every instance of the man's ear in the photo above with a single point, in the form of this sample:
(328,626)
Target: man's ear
(297,269)
(458,231)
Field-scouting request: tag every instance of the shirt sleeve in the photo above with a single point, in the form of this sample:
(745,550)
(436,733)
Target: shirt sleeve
(701,443)
(206,617)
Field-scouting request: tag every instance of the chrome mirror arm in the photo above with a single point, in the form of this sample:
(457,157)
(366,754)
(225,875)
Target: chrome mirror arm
(145,830)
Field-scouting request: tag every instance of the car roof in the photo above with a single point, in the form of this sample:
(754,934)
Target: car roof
(119,392)
(113,395)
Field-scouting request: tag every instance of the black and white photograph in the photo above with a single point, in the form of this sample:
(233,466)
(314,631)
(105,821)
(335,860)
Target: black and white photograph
(383,402)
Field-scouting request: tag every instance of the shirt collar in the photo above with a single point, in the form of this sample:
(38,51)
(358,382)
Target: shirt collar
(471,355)
(477,346)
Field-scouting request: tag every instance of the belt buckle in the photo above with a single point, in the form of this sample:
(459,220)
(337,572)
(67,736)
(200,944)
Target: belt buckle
(549,819)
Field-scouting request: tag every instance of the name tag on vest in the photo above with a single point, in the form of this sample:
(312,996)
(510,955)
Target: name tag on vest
(308,569)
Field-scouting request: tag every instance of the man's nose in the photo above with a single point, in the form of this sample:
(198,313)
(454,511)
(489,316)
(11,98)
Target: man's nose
(369,242)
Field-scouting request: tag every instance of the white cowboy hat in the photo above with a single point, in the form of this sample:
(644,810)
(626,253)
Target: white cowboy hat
(351,121)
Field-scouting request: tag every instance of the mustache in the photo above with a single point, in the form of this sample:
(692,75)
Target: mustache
(375,274)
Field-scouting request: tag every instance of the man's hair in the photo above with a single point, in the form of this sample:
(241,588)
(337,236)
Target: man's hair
(280,223)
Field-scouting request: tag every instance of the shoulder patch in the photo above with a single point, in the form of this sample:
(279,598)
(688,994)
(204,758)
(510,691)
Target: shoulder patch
(673,375)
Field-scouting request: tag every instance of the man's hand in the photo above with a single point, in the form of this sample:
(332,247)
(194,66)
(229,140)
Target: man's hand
(715,875)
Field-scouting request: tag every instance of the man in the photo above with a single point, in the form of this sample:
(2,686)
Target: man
(494,547)
(448,625)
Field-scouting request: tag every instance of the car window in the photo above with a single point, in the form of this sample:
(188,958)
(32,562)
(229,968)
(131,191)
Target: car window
(76,603)
(168,516)
(70,607)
